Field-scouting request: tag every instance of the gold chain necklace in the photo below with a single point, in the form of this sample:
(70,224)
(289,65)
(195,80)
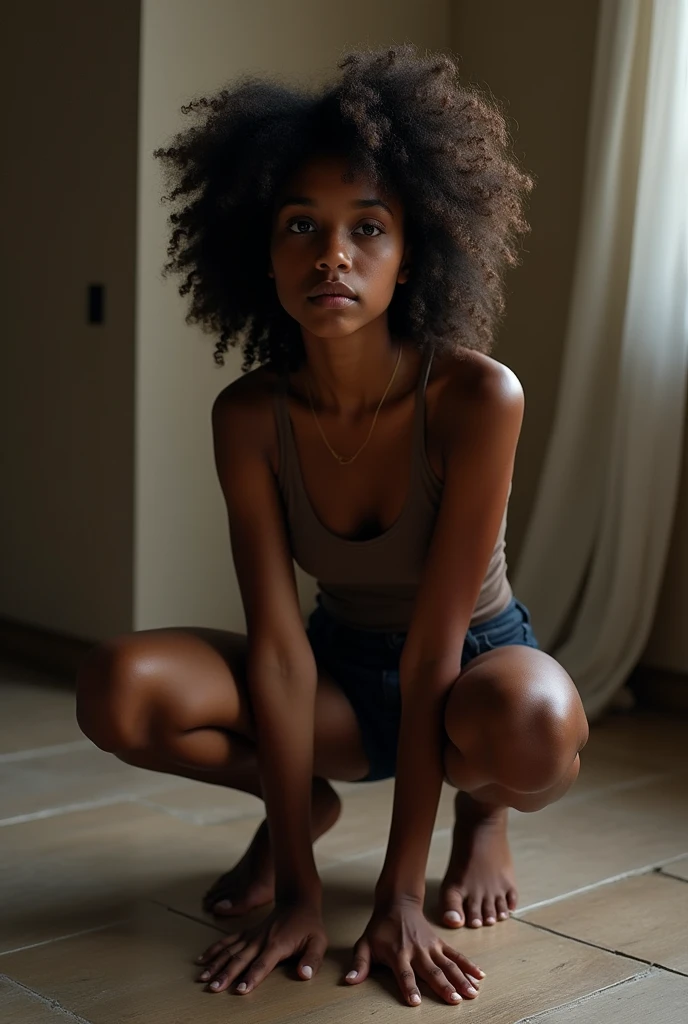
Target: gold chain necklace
(340,458)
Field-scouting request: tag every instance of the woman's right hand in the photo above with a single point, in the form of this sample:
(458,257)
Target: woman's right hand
(248,957)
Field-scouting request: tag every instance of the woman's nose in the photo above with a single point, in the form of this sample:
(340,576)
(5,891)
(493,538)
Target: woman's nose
(334,254)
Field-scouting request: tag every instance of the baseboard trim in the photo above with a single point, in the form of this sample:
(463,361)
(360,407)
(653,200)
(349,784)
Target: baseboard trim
(38,648)
(660,689)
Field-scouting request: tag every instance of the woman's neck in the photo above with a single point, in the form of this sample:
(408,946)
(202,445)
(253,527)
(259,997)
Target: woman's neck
(349,380)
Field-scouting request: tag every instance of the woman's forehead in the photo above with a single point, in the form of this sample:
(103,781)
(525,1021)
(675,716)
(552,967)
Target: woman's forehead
(328,178)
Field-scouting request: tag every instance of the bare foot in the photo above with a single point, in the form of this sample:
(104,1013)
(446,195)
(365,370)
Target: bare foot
(251,882)
(479,886)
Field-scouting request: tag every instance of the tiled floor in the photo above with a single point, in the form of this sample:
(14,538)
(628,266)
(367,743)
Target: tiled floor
(102,867)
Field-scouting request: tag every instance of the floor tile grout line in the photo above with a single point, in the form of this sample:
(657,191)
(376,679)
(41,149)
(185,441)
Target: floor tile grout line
(589,996)
(52,1003)
(585,942)
(181,815)
(190,917)
(442,832)
(50,751)
(646,870)
(54,812)
(672,970)
(83,805)
(675,878)
(62,938)
(606,949)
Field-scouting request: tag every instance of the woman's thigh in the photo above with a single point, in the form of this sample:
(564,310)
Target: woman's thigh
(171,679)
(195,678)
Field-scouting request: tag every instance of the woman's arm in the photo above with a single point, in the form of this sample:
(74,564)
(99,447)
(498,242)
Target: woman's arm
(283,706)
(281,669)
(417,789)
(482,422)
(483,417)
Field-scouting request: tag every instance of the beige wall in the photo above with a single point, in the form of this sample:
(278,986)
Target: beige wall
(68,184)
(537,56)
(184,571)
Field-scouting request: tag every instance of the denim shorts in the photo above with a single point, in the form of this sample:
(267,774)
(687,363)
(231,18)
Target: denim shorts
(365,665)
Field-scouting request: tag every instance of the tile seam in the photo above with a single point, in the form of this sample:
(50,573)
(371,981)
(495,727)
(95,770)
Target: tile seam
(647,869)
(48,751)
(83,805)
(668,874)
(195,819)
(53,1004)
(586,942)
(62,938)
(574,1003)
(605,949)
(190,917)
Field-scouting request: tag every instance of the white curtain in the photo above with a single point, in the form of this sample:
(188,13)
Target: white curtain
(596,545)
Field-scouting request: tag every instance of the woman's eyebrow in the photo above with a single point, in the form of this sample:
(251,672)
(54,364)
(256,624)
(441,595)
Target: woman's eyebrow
(360,204)
(365,203)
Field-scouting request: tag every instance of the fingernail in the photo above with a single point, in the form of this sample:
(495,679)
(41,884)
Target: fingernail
(351,975)
(455,997)
(215,984)
(205,975)
(481,973)
(200,959)
(452,915)
(307,972)
(224,905)
(477,922)
(473,991)
(415,999)
(242,987)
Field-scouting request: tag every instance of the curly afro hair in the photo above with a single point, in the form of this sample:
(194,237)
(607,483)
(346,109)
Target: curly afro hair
(404,120)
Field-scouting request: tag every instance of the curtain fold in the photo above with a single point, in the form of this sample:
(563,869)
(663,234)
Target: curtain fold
(596,545)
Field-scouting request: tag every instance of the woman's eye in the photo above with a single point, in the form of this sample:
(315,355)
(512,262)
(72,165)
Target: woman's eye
(367,233)
(296,226)
(304,227)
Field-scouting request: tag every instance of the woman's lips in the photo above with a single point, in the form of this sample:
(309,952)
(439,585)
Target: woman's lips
(332,301)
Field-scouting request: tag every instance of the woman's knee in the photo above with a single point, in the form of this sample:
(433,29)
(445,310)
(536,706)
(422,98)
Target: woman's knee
(111,695)
(527,802)
(521,719)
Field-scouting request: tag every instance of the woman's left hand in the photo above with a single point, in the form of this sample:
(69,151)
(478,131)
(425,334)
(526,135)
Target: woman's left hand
(400,936)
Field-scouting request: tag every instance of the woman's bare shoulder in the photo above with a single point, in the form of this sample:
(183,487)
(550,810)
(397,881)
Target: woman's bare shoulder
(466,368)
(252,391)
(248,401)
(462,388)
(466,379)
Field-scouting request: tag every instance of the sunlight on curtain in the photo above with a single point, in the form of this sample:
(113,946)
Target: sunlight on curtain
(596,545)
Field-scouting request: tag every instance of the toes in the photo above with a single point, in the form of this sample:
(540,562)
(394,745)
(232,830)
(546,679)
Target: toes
(225,908)
(235,908)
(512,899)
(453,909)
(489,912)
(221,905)
(501,908)
(211,899)
(473,911)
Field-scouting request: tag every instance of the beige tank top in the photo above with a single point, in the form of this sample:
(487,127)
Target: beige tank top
(372,584)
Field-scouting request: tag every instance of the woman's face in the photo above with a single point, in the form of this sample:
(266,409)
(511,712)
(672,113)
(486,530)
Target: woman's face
(348,234)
